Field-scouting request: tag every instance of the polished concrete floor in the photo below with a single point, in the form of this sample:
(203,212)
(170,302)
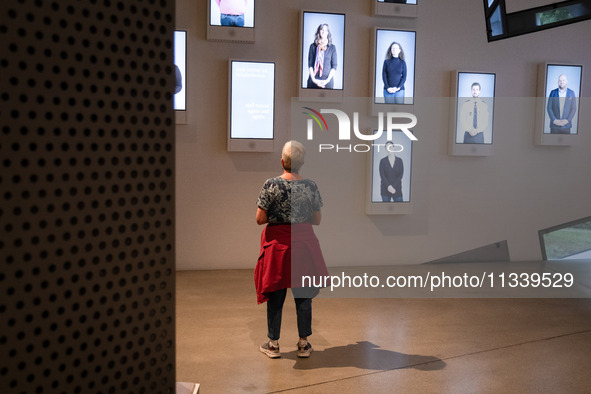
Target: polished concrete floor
(380,345)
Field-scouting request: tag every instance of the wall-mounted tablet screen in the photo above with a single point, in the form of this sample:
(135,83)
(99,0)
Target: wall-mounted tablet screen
(390,166)
(231,20)
(563,88)
(393,69)
(475,108)
(252,106)
(472,113)
(398,1)
(557,122)
(401,8)
(322,47)
(180,70)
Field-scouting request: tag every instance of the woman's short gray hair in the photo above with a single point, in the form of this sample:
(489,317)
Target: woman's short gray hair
(293,156)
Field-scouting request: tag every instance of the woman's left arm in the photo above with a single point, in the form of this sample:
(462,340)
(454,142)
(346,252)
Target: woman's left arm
(316,218)
(330,75)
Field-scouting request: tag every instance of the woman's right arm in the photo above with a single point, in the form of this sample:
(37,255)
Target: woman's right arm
(385,75)
(311,61)
(382,169)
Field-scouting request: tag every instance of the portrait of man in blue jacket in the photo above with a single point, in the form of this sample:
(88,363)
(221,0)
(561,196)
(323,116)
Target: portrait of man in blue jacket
(562,106)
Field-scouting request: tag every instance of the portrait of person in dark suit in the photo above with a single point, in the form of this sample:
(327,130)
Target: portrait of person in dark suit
(391,168)
(391,172)
(561,107)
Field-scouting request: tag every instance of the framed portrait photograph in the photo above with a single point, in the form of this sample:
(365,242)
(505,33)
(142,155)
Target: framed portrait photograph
(400,8)
(389,175)
(559,92)
(180,70)
(232,20)
(392,77)
(472,113)
(322,53)
(251,115)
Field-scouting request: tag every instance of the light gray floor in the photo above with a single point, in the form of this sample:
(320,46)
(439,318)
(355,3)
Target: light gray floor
(380,345)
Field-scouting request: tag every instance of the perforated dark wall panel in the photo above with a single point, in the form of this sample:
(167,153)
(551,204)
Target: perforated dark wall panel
(86,196)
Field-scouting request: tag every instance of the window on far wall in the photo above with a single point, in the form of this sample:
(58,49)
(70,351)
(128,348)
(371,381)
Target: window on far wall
(500,24)
(568,241)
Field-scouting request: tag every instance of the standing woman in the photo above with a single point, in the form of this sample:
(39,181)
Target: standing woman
(322,60)
(394,74)
(289,205)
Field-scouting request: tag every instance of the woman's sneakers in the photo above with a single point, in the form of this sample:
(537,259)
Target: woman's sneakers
(304,348)
(271,349)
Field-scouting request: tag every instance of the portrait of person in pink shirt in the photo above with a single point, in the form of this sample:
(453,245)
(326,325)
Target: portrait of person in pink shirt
(232,12)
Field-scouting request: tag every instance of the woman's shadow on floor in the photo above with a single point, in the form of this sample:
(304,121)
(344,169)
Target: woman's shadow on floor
(364,355)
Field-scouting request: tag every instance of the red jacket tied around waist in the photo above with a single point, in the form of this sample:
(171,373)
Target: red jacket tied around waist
(288,252)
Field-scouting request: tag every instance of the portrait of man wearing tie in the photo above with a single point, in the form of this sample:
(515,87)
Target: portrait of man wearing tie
(473,117)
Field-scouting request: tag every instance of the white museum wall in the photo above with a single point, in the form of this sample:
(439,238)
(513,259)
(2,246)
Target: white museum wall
(459,203)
